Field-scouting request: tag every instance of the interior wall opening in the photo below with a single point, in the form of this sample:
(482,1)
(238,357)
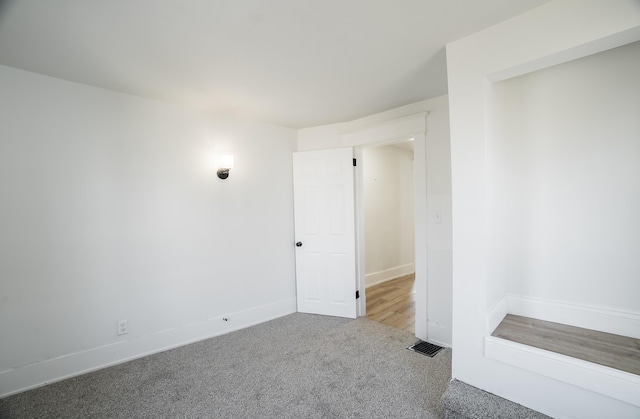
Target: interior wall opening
(389,239)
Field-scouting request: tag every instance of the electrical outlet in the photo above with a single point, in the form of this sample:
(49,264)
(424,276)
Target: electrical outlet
(123,327)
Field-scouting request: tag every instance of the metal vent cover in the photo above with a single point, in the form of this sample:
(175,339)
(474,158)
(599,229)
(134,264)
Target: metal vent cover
(426,348)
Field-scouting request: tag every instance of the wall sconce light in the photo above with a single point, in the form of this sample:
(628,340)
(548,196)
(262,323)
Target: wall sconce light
(225,164)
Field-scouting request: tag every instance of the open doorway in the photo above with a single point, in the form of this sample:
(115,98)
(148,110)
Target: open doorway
(389,250)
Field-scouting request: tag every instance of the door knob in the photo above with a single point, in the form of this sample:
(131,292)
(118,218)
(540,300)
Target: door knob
(299,244)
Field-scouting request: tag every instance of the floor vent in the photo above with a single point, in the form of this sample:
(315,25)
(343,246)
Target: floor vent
(426,348)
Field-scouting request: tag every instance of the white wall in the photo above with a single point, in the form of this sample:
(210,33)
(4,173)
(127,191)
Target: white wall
(388,213)
(108,212)
(439,222)
(432,164)
(566,181)
(554,33)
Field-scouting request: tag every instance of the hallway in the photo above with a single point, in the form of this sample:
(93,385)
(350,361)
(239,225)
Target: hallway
(393,303)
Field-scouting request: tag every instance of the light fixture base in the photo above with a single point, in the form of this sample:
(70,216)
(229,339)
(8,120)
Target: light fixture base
(223,173)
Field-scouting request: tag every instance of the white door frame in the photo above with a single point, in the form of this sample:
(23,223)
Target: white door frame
(388,133)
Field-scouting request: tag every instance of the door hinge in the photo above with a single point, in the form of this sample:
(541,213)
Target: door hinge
(357,294)
(354,162)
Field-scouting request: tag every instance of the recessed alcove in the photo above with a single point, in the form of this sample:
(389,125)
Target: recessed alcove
(563,176)
(544,148)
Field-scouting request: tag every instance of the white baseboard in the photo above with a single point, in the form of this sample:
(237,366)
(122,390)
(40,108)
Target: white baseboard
(38,374)
(376,278)
(438,334)
(619,322)
(610,382)
(496,314)
(439,343)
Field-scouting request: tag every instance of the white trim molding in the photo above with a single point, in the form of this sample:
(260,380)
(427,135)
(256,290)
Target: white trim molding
(383,133)
(38,374)
(602,319)
(496,314)
(617,384)
(618,322)
(375,278)
(387,131)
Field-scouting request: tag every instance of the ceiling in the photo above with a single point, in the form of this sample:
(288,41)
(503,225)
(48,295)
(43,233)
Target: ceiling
(296,63)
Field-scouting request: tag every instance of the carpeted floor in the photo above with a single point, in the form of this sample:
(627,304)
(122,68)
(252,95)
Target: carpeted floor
(298,366)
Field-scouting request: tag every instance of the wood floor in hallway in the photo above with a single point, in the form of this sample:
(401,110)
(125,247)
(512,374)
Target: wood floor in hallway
(393,303)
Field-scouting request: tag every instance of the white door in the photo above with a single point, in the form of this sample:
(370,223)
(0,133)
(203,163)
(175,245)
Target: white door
(325,232)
